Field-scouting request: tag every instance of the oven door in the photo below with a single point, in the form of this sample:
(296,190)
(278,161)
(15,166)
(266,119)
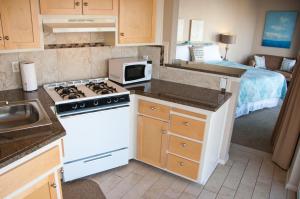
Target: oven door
(134,73)
(95,133)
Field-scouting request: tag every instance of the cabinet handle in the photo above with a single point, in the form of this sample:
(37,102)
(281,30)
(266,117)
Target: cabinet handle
(153,108)
(77,3)
(53,185)
(183,145)
(164,132)
(0,38)
(181,164)
(6,37)
(186,123)
(85,3)
(122,34)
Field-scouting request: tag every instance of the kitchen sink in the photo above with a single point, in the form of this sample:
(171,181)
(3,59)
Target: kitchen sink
(22,115)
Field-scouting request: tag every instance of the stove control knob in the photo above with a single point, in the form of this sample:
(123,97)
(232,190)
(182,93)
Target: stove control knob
(96,103)
(116,100)
(108,101)
(75,106)
(82,105)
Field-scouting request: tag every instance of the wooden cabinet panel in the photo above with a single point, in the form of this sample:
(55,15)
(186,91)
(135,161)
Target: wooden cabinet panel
(182,166)
(61,7)
(137,21)
(187,127)
(185,148)
(151,140)
(1,34)
(100,7)
(45,189)
(20,23)
(154,110)
(30,170)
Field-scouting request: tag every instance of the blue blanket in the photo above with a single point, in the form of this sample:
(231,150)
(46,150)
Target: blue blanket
(258,89)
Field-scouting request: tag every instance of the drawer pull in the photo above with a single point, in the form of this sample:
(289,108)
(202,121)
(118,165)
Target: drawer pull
(181,164)
(153,108)
(86,4)
(183,145)
(164,132)
(77,3)
(186,124)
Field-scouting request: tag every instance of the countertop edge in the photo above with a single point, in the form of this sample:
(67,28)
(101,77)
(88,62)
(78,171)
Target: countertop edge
(238,74)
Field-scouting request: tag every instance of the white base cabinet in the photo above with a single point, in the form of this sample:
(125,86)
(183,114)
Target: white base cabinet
(182,140)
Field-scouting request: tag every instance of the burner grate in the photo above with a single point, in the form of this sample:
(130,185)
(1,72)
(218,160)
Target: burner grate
(69,92)
(101,88)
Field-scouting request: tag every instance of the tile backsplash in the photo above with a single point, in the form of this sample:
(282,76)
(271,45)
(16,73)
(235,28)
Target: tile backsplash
(54,65)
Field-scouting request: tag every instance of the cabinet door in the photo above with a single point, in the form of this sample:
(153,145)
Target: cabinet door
(137,21)
(152,141)
(1,35)
(46,189)
(100,7)
(61,7)
(20,23)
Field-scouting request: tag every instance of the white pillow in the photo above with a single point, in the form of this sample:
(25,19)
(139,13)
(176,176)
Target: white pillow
(197,53)
(260,62)
(211,53)
(287,64)
(183,52)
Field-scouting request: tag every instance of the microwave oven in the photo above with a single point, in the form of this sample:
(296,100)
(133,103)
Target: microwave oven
(129,70)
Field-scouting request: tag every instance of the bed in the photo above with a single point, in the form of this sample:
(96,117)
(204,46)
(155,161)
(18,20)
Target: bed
(259,88)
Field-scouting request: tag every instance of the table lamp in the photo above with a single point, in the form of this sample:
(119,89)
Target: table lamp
(227,39)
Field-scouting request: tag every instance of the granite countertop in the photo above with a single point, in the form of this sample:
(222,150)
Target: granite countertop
(193,96)
(209,68)
(17,144)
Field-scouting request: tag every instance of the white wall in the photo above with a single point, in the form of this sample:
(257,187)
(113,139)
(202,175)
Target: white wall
(223,16)
(266,5)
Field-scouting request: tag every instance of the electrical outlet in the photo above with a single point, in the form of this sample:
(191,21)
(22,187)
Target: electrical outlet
(15,66)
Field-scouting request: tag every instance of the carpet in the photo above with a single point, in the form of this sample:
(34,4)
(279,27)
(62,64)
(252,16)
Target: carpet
(82,189)
(255,130)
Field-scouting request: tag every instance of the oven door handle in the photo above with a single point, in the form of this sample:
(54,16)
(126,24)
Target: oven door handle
(97,158)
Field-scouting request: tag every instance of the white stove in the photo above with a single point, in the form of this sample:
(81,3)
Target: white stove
(95,114)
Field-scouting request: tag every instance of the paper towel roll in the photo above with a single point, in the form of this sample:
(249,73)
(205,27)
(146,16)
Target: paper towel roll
(28,76)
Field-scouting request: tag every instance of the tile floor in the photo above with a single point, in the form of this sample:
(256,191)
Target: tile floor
(248,174)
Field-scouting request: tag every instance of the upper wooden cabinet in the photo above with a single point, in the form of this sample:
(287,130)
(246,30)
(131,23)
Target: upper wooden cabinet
(53,7)
(137,21)
(1,36)
(79,7)
(19,24)
(100,7)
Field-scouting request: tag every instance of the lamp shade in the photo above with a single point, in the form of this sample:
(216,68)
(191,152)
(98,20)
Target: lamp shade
(227,39)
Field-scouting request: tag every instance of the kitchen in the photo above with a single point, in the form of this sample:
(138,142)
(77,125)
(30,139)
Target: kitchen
(82,93)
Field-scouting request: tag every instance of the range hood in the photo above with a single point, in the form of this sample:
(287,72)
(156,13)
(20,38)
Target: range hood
(79,24)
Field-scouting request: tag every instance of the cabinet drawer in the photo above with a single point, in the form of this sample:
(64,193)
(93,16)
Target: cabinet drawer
(25,173)
(154,110)
(184,147)
(182,166)
(187,127)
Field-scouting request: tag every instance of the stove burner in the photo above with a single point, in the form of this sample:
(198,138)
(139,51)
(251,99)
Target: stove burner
(101,88)
(69,92)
